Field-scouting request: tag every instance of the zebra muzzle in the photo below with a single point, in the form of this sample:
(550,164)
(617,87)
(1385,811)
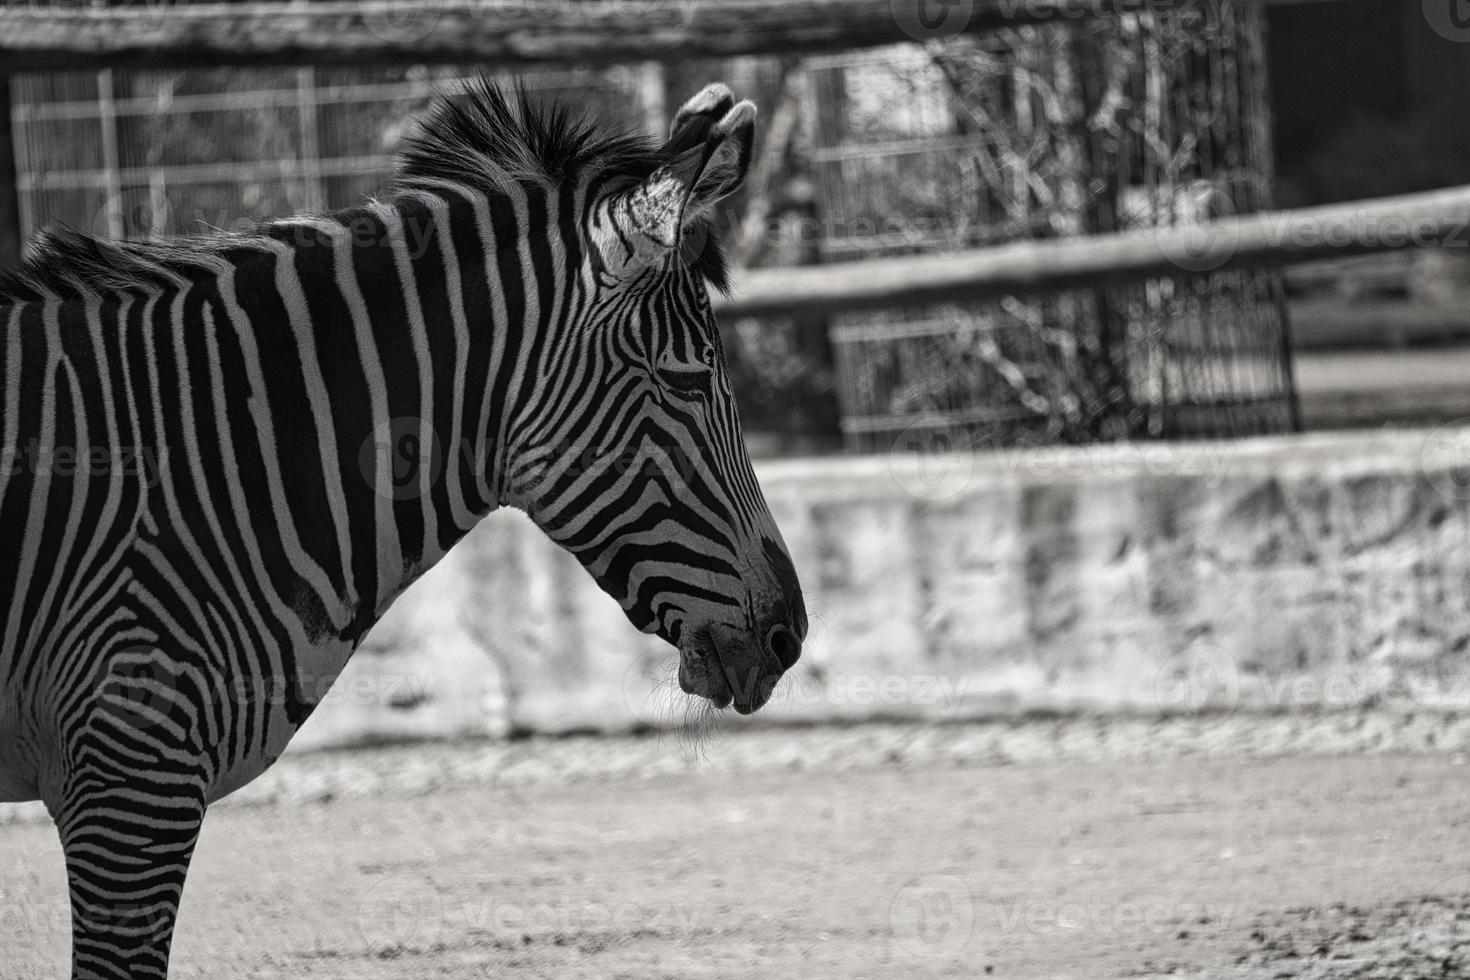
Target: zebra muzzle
(740,667)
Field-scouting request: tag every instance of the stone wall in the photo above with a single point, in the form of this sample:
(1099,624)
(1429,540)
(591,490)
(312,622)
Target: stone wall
(1295,574)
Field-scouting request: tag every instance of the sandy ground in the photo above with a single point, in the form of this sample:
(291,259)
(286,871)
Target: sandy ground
(875,852)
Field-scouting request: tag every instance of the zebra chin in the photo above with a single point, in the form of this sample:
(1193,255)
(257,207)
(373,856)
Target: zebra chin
(729,665)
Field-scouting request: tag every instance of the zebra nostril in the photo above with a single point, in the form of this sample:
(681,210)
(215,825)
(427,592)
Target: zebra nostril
(784,645)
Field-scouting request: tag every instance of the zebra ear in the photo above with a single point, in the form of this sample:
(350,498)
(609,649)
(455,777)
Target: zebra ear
(694,119)
(711,143)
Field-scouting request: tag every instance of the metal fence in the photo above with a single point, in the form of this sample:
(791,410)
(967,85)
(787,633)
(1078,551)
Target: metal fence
(149,153)
(1131,121)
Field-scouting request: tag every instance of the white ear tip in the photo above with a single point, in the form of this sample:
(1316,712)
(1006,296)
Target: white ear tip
(708,97)
(742,114)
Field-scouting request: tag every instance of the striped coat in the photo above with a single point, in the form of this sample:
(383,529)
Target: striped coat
(225,457)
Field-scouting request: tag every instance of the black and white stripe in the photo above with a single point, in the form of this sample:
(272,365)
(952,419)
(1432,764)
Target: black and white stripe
(225,458)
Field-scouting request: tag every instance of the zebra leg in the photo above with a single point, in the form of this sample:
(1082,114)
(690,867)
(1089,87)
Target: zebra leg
(130,810)
(127,853)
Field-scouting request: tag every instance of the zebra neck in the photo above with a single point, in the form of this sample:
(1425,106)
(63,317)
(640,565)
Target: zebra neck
(395,316)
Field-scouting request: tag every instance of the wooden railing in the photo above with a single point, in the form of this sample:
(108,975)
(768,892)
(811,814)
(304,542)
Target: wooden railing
(151,33)
(1267,239)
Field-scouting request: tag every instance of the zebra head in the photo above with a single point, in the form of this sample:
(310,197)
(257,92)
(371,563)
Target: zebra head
(637,464)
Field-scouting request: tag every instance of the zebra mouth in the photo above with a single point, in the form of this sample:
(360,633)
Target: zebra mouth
(721,664)
(701,672)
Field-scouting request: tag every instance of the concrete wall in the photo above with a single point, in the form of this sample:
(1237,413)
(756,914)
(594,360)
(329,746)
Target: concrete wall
(1281,574)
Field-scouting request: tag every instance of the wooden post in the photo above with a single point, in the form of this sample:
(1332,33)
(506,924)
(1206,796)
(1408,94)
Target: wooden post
(36,37)
(10,231)
(112,203)
(314,194)
(653,95)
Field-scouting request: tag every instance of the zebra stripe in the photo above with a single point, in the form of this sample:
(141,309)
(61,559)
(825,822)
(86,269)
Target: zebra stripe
(202,498)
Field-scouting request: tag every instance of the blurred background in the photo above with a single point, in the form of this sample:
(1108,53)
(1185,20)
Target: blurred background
(947,142)
(1136,551)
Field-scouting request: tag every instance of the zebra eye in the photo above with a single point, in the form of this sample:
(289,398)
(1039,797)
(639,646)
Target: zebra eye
(684,380)
(687,377)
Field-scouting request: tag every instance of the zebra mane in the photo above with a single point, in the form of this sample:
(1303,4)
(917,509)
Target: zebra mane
(482,138)
(66,263)
(492,140)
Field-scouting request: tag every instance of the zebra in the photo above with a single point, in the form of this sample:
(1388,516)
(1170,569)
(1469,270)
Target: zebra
(225,456)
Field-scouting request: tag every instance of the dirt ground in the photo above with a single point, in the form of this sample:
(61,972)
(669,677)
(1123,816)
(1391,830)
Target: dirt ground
(905,864)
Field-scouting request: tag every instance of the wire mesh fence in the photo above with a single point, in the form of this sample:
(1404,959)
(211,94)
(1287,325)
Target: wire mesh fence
(1143,120)
(150,153)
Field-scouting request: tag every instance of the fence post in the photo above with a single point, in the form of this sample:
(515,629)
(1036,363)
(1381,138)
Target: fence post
(653,97)
(308,105)
(9,192)
(112,217)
